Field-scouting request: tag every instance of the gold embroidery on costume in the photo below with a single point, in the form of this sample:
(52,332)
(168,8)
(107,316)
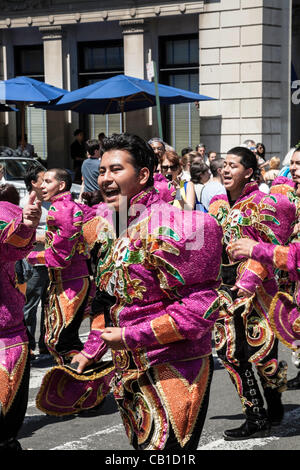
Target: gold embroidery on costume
(11,380)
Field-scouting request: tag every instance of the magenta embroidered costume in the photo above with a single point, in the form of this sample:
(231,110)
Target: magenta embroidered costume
(165,188)
(70,236)
(284,310)
(165,283)
(70,290)
(16,241)
(243,334)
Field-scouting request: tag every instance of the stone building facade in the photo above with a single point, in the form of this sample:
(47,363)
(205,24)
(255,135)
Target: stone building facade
(237,51)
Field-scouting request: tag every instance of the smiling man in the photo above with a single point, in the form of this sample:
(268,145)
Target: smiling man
(165,284)
(243,335)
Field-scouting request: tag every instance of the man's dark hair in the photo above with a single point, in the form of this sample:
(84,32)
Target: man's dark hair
(140,151)
(215,165)
(248,158)
(63,175)
(32,174)
(186,150)
(78,131)
(201,145)
(8,192)
(92,145)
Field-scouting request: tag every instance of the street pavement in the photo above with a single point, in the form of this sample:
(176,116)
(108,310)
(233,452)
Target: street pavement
(104,429)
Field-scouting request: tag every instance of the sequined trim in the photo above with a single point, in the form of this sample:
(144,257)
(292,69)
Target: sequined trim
(273,323)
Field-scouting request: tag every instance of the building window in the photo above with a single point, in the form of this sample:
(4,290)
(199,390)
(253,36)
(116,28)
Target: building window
(179,67)
(98,61)
(29,61)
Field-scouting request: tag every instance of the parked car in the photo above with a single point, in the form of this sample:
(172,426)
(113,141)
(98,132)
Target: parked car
(15,168)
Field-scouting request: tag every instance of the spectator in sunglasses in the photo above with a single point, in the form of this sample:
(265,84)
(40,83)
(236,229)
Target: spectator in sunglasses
(172,170)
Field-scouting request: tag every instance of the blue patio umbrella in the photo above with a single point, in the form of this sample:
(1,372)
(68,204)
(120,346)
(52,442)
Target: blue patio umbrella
(26,91)
(120,94)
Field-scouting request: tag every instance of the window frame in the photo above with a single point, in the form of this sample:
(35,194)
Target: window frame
(165,71)
(84,76)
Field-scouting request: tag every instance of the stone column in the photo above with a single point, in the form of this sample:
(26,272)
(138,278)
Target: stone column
(244,65)
(134,66)
(58,153)
(8,121)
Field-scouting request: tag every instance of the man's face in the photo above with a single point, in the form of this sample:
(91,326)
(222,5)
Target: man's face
(234,174)
(158,148)
(295,167)
(212,156)
(37,185)
(80,137)
(118,179)
(201,150)
(51,186)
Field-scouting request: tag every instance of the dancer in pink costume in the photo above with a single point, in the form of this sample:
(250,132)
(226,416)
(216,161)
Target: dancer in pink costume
(71,289)
(243,335)
(155,263)
(17,234)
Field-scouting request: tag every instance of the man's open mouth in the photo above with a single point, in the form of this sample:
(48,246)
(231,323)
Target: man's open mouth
(110,193)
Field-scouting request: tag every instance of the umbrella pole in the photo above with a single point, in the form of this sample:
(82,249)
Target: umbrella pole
(122,114)
(157,102)
(22,126)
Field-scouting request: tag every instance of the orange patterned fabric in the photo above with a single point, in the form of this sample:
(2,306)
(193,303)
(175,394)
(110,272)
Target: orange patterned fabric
(256,268)
(280,258)
(163,398)
(165,329)
(16,240)
(98,323)
(184,409)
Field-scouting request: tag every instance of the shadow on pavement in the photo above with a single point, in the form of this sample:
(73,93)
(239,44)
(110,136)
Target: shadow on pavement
(33,423)
(230,417)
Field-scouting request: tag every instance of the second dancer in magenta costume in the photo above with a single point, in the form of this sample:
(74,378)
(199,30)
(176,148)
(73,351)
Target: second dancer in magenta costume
(243,334)
(71,290)
(284,311)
